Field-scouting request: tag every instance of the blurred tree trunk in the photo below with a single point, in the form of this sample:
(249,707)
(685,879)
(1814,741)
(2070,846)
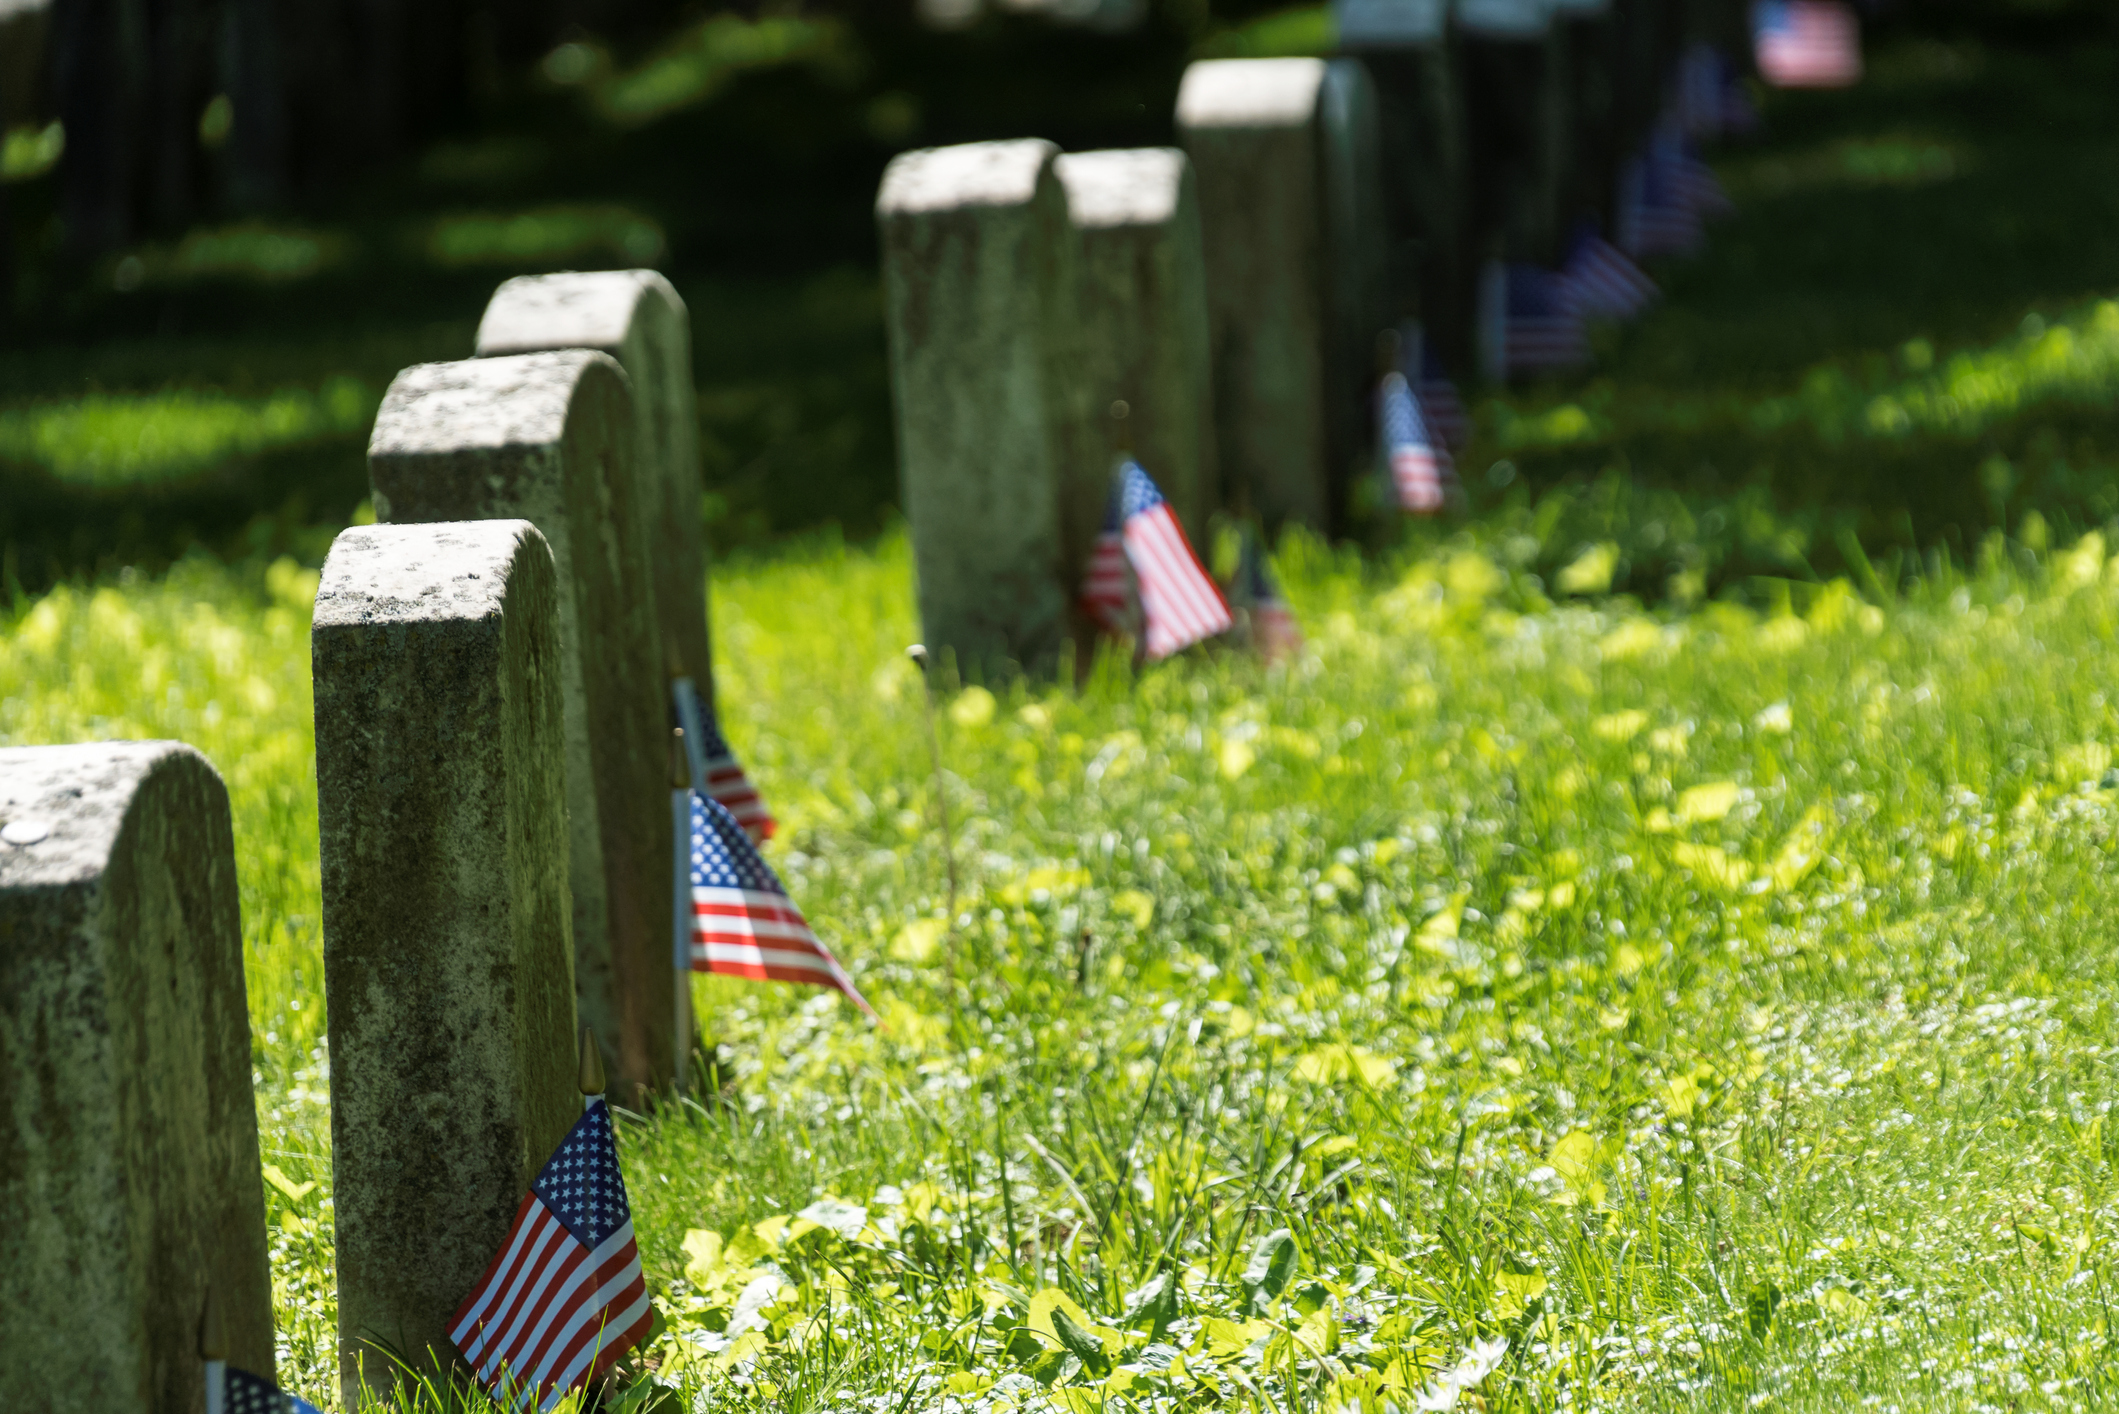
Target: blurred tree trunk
(180,83)
(254,78)
(99,66)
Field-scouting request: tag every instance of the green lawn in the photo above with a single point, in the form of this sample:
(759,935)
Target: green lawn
(1716,1009)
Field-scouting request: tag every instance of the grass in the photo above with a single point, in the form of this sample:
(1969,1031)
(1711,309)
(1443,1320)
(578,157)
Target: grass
(1715,1007)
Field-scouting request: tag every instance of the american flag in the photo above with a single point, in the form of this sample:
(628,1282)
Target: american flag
(713,763)
(743,922)
(1806,43)
(244,1393)
(1530,322)
(1691,179)
(1439,402)
(1179,603)
(1274,632)
(564,1297)
(1602,281)
(1654,217)
(1710,100)
(1417,465)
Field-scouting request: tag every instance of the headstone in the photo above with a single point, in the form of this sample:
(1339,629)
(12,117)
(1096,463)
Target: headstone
(1286,152)
(129,1176)
(548,438)
(1141,302)
(1514,67)
(441,804)
(1388,24)
(977,256)
(1419,105)
(636,317)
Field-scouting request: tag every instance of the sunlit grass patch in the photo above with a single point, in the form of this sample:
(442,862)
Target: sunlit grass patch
(1896,161)
(545,236)
(251,251)
(119,439)
(702,60)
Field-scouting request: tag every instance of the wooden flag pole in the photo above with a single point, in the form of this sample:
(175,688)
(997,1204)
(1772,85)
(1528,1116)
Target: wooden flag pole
(213,1345)
(918,653)
(681,898)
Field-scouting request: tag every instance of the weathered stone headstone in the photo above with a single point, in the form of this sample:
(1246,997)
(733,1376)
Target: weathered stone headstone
(129,1176)
(548,438)
(441,805)
(1404,46)
(1514,66)
(1140,300)
(1286,152)
(977,258)
(637,318)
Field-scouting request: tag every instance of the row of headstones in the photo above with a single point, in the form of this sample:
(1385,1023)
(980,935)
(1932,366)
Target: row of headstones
(492,665)
(1230,291)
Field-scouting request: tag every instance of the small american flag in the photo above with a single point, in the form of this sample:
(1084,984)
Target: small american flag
(1417,465)
(1654,217)
(1274,632)
(1691,179)
(1531,323)
(715,764)
(1602,281)
(1439,402)
(1806,43)
(1179,602)
(1710,100)
(564,1297)
(244,1393)
(743,922)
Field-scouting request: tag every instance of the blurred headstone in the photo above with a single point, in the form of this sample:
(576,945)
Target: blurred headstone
(1513,59)
(441,776)
(1140,298)
(1286,152)
(129,1173)
(978,258)
(548,438)
(636,317)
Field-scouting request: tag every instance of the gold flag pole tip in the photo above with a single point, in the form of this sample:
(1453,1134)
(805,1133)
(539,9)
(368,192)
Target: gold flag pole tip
(591,1064)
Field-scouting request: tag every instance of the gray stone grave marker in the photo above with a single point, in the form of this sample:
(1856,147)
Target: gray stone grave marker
(129,1177)
(1290,206)
(1141,306)
(636,317)
(977,260)
(548,438)
(441,803)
